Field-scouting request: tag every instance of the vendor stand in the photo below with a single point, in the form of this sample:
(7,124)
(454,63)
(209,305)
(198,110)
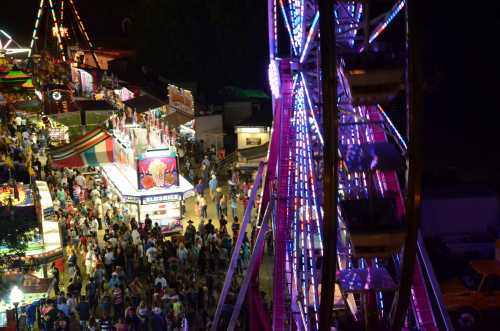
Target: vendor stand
(145,174)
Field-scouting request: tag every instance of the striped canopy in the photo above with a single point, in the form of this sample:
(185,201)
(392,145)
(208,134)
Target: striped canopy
(94,148)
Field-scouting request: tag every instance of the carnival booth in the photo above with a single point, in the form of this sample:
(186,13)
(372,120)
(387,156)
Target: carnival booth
(145,172)
(139,162)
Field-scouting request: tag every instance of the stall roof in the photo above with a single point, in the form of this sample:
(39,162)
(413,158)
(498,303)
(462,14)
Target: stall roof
(185,188)
(178,118)
(92,149)
(144,103)
(256,152)
(94,105)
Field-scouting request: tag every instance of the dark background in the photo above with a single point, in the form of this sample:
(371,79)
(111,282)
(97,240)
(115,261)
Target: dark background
(222,42)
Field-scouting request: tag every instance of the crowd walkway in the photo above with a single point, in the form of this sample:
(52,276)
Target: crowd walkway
(120,273)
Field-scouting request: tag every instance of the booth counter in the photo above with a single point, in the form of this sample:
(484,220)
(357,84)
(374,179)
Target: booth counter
(163,205)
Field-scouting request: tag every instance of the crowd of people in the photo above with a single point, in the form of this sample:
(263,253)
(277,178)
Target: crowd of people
(121,273)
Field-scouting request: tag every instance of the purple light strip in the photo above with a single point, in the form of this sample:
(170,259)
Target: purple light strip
(311,110)
(392,14)
(299,233)
(309,202)
(311,174)
(287,24)
(310,35)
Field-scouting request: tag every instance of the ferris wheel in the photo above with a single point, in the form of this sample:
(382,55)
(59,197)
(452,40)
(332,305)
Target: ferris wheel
(371,209)
(370,266)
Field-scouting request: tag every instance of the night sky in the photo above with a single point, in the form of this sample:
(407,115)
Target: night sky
(224,42)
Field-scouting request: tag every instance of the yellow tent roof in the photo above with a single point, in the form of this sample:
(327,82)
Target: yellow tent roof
(28,84)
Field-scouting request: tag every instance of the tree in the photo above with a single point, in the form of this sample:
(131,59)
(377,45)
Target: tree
(15,232)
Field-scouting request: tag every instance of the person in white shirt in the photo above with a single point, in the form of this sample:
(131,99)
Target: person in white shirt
(161,280)
(97,202)
(105,207)
(80,180)
(95,226)
(64,181)
(94,194)
(113,241)
(90,262)
(151,254)
(136,237)
(109,258)
(182,253)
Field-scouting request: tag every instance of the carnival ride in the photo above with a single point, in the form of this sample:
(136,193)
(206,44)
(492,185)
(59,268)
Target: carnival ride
(65,28)
(372,224)
(8,46)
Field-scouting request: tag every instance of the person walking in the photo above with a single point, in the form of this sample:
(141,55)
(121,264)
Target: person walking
(83,308)
(223,205)
(203,206)
(236,229)
(234,207)
(212,184)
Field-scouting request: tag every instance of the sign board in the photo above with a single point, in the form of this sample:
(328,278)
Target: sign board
(166,214)
(181,99)
(157,169)
(154,199)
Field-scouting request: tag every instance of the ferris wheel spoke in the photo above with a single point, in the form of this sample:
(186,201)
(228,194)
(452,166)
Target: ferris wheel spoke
(313,30)
(287,19)
(37,22)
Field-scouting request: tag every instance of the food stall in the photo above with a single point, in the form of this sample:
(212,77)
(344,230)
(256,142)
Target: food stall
(144,172)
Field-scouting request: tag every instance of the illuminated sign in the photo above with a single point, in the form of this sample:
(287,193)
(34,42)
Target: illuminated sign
(157,171)
(130,199)
(181,99)
(161,198)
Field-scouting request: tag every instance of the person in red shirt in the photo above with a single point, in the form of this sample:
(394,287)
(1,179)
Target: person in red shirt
(83,242)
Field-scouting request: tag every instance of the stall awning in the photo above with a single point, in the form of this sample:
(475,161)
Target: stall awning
(144,103)
(254,153)
(93,149)
(178,118)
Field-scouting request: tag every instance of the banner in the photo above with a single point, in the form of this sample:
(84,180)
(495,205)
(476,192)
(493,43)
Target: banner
(157,172)
(180,99)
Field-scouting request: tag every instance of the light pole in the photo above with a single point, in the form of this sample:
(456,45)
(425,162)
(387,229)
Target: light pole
(16,296)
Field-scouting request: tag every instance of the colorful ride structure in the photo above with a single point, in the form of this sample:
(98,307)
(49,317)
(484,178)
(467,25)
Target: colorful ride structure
(8,46)
(377,239)
(53,11)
